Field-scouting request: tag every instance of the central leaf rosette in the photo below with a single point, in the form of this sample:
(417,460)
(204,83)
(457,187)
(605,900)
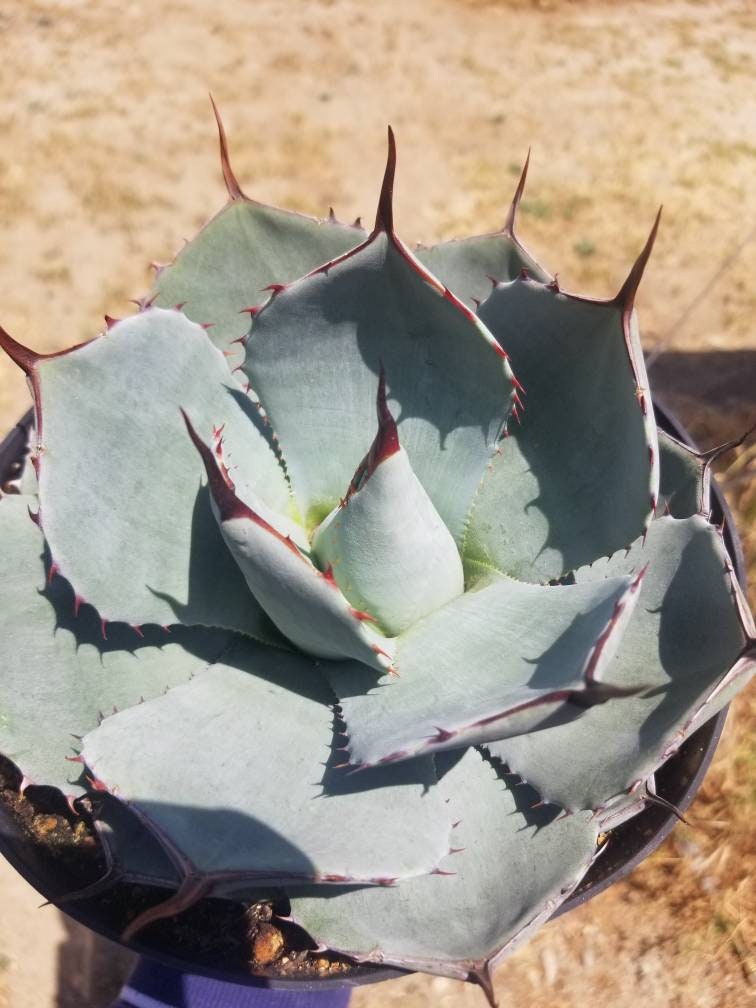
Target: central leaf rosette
(388,549)
(380,561)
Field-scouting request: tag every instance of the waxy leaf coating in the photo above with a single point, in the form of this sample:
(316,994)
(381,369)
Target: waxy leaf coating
(314,570)
(681,640)
(453,924)
(321,824)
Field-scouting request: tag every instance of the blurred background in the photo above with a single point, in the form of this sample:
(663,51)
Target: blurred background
(109,161)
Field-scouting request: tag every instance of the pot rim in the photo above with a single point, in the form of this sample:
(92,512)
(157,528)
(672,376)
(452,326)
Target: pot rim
(698,749)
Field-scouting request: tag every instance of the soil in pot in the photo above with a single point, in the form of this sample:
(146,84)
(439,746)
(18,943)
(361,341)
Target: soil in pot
(225,935)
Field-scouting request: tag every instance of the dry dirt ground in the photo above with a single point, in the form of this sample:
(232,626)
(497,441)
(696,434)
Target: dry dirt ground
(108,160)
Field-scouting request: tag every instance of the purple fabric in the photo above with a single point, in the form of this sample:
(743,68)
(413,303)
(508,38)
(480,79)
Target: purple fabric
(154,986)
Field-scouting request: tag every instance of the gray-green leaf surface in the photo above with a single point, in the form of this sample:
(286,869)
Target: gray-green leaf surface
(58,671)
(123,507)
(313,358)
(390,552)
(681,641)
(242,250)
(231,816)
(503,660)
(467,266)
(561,493)
(516,864)
(684,479)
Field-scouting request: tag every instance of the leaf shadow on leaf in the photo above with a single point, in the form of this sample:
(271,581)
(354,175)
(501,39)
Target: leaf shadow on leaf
(523,795)
(211,564)
(527,800)
(401,322)
(210,833)
(576,640)
(570,496)
(134,851)
(690,653)
(252,412)
(206,643)
(339,779)
(290,669)
(351,678)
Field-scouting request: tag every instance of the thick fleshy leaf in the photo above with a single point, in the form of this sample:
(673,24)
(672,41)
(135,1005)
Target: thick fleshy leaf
(505,659)
(683,480)
(303,602)
(58,673)
(244,249)
(132,852)
(684,636)
(313,358)
(515,866)
(391,554)
(468,266)
(389,551)
(231,818)
(123,509)
(560,494)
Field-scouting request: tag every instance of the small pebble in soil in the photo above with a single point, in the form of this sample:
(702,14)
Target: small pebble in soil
(46,824)
(268,945)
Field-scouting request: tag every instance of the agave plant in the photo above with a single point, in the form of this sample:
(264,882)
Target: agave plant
(345,596)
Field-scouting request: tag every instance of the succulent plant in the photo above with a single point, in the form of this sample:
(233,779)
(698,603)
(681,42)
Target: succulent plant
(373,634)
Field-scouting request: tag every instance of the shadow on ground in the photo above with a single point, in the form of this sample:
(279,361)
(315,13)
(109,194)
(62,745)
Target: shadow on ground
(713,393)
(91,969)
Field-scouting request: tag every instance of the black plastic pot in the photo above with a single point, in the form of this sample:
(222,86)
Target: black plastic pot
(677,782)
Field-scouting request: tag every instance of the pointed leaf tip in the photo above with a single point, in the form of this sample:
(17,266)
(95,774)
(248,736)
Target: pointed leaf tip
(625,297)
(713,454)
(25,358)
(481,975)
(223,491)
(232,186)
(385,444)
(387,439)
(384,218)
(509,223)
(228,504)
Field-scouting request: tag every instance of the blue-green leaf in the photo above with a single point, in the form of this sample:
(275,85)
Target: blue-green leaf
(514,868)
(505,659)
(313,358)
(231,818)
(561,494)
(684,636)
